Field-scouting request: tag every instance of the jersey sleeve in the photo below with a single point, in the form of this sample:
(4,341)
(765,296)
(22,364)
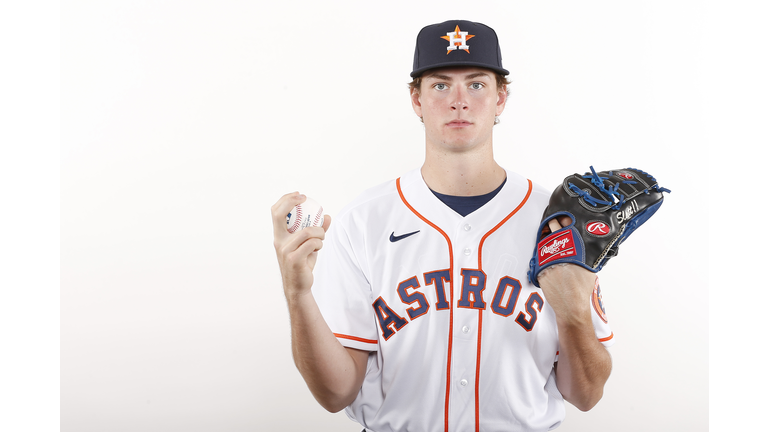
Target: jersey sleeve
(599,317)
(343,293)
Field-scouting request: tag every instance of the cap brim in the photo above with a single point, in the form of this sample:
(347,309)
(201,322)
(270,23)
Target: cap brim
(420,71)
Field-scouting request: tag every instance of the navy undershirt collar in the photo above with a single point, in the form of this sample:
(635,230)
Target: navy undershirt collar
(465,205)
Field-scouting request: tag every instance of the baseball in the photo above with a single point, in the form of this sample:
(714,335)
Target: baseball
(309,213)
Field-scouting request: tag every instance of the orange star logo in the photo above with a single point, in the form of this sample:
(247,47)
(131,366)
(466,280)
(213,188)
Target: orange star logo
(457,39)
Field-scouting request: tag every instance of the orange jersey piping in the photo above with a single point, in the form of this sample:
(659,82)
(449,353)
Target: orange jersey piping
(606,339)
(355,338)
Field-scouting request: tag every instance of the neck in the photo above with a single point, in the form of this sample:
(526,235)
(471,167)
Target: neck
(462,173)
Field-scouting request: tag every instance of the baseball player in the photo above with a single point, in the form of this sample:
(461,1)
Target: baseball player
(419,315)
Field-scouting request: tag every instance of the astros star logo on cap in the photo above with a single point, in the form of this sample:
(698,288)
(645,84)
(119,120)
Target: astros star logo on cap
(457,39)
(431,44)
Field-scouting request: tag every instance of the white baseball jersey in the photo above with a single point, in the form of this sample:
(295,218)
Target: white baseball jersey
(461,340)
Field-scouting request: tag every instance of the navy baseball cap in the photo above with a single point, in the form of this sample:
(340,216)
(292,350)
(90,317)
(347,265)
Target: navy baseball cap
(457,43)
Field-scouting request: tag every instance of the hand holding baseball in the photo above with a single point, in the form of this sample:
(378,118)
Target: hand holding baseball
(297,248)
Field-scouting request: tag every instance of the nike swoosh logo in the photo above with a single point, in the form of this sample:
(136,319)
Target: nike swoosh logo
(393,238)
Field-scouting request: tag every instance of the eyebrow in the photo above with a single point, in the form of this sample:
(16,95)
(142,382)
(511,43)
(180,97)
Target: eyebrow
(441,77)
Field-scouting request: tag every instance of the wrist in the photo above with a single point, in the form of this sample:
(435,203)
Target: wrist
(294,296)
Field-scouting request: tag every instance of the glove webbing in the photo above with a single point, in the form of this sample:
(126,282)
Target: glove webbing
(613,191)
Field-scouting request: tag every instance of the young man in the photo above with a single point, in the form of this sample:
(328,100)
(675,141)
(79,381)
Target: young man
(420,316)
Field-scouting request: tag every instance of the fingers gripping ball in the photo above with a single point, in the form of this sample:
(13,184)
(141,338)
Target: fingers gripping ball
(307,214)
(605,208)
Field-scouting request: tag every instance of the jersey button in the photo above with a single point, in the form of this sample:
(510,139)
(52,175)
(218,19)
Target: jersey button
(467,251)
(465,329)
(463,383)
(467,227)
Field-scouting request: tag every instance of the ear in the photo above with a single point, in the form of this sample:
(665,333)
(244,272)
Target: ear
(416,101)
(501,102)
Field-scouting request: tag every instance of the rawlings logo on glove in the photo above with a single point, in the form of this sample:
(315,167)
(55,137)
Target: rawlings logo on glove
(605,208)
(553,247)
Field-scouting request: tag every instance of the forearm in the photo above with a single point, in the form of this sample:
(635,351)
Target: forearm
(333,374)
(583,365)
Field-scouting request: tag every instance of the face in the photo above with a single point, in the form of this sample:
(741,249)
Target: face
(458,107)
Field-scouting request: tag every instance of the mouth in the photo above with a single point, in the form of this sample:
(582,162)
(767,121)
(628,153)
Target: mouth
(458,123)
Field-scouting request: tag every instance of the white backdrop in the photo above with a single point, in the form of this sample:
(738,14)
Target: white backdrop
(184,121)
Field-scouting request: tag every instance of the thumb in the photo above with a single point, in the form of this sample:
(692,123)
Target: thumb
(326,222)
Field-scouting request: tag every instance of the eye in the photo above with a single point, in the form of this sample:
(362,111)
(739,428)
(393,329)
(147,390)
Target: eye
(440,86)
(476,85)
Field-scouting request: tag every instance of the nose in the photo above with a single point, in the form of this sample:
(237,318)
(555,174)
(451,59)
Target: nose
(459,102)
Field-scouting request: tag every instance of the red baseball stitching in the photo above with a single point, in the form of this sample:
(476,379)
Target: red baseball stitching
(297,220)
(317,217)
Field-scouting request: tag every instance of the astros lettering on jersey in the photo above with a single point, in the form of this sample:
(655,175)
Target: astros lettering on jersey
(460,340)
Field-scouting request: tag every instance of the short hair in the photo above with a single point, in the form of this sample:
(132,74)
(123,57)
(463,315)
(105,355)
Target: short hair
(501,81)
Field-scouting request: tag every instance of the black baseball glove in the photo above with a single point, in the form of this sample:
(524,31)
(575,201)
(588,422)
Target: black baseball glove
(605,208)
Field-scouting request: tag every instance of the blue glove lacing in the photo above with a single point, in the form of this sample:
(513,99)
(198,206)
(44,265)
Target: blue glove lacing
(617,198)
